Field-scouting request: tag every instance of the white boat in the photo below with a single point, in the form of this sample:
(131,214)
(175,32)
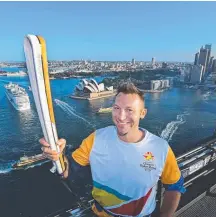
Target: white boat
(17,96)
(105,110)
(16,74)
(28,161)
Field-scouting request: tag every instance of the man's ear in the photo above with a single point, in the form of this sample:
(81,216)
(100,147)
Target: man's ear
(143,113)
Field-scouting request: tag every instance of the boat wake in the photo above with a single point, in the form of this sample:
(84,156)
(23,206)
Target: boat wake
(173,126)
(71,111)
(206,96)
(36,164)
(6,167)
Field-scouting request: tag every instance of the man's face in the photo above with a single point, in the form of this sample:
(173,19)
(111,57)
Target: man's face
(127,111)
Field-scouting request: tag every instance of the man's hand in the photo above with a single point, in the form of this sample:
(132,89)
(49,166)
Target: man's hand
(50,154)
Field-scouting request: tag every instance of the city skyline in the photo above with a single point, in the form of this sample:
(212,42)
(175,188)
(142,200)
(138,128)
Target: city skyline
(109,31)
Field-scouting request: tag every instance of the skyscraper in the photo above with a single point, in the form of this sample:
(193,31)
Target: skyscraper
(210,63)
(203,58)
(164,65)
(214,66)
(133,61)
(208,47)
(196,74)
(153,61)
(196,60)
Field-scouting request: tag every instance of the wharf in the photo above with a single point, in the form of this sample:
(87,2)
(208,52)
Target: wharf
(151,91)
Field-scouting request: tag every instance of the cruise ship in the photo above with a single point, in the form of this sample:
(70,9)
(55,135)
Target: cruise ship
(28,161)
(17,96)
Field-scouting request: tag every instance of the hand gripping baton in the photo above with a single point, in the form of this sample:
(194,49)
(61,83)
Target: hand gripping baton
(37,67)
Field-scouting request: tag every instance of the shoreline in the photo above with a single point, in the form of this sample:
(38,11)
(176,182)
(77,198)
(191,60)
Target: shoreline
(68,75)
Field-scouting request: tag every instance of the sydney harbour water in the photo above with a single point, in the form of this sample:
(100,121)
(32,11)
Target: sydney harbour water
(181,116)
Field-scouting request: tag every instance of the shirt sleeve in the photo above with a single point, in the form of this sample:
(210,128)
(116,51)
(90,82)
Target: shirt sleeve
(81,155)
(79,159)
(171,176)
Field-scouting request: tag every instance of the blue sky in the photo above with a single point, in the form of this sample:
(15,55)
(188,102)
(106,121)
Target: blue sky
(168,31)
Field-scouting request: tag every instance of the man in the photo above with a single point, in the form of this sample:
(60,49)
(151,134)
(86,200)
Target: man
(126,162)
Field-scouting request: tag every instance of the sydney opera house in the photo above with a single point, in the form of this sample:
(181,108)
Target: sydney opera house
(90,89)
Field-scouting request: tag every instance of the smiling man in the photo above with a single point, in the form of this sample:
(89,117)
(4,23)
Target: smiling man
(128,109)
(126,162)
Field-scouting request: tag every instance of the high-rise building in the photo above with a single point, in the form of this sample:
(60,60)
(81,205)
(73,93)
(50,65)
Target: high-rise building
(185,74)
(210,63)
(214,66)
(196,60)
(164,65)
(196,74)
(208,47)
(133,61)
(153,61)
(203,58)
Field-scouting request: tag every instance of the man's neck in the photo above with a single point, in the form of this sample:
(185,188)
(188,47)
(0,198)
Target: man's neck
(133,137)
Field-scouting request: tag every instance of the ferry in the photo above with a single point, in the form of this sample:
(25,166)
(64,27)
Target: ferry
(17,96)
(105,110)
(27,161)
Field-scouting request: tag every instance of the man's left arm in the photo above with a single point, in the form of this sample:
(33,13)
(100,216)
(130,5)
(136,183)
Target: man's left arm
(170,203)
(173,183)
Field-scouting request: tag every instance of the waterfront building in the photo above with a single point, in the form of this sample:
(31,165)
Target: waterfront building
(90,89)
(208,47)
(164,65)
(214,66)
(185,74)
(211,63)
(196,74)
(159,84)
(196,60)
(203,58)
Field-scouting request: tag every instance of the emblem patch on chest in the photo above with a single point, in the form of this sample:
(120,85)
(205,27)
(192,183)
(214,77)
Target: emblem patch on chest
(148,163)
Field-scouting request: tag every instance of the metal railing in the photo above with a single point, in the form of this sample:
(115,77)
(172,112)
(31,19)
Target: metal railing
(193,164)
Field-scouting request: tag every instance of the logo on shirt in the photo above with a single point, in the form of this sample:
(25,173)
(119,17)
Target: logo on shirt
(148,156)
(148,163)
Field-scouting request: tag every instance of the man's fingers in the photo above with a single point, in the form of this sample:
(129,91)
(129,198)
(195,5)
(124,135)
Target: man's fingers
(52,157)
(47,150)
(61,143)
(44,142)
